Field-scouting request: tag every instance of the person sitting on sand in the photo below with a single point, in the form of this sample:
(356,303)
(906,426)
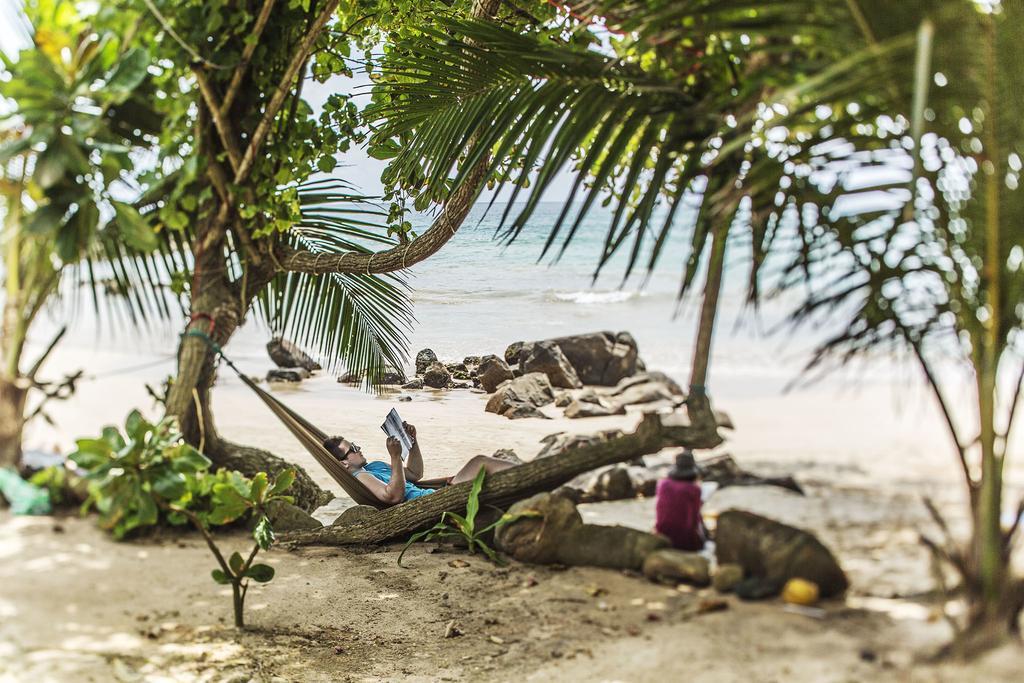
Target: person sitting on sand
(677,505)
(395,483)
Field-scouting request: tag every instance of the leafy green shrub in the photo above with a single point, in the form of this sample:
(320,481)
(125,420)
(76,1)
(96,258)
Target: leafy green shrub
(453,525)
(54,479)
(149,474)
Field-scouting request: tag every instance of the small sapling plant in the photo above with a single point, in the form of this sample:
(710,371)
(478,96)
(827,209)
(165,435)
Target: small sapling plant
(452,525)
(149,475)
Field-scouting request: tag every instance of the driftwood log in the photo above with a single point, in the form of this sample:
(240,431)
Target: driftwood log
(695,428)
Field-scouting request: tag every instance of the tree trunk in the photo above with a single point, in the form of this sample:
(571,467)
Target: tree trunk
(189,397)
(503,488)
(12,421)
(708,312)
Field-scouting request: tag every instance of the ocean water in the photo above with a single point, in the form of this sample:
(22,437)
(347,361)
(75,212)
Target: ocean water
(477,295)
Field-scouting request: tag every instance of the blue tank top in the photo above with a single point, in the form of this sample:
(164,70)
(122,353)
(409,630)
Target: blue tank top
(382,471)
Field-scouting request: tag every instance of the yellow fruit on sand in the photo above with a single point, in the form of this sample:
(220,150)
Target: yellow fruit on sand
(800,592)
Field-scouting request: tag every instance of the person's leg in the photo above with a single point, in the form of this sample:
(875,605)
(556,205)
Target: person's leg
(472,468)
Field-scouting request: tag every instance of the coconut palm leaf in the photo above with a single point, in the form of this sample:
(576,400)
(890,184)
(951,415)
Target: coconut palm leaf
(356,320)
(644,135)
(359,320)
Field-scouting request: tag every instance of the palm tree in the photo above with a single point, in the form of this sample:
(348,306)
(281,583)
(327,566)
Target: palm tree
(765,117)
(240,225)
(61,152)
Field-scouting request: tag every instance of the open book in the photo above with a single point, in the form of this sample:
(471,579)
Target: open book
(393,427)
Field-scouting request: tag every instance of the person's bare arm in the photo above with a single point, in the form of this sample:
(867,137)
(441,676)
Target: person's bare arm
(394,491)
(414,465)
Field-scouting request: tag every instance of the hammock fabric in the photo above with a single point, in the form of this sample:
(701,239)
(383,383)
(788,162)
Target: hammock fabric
(313,440)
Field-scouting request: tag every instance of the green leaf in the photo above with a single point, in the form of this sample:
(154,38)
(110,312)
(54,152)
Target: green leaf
(386,149)
(473,504)
(263,533)
(51,165)
(134,229)
(47,220)
(220,577)
(137,427)
(260,572)
(128,73)
(282,482)
(235,562)
(112,436)
(259,487)
(187,460)
(170,485)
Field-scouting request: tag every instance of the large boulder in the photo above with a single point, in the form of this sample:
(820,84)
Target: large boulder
(546,357)
(423,360)
(287,355)
(518,396)
(512,352)
(436,375)
(775,553)
(552,532)
(600,358)
(491,372)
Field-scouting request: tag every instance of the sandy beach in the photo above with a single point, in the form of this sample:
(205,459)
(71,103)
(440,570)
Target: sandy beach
(80,607)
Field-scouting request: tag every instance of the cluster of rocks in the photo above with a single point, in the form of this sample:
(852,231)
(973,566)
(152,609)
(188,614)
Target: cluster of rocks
(636,479)
(588,375)
(755,556)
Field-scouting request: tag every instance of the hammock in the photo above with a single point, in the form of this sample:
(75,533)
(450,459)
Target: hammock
(312,438)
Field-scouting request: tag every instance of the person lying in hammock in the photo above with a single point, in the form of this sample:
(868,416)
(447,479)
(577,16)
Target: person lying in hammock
(395,483)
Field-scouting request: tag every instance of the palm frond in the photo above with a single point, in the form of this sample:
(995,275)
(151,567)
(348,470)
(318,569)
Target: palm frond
(359,320)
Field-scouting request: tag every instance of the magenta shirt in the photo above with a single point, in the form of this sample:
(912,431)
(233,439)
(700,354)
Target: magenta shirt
(677,513)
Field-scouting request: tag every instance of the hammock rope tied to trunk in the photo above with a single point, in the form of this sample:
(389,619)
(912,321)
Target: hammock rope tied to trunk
(309,435)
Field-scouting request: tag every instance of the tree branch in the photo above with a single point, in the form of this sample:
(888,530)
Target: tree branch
(250,47)
(1013,409)
(399,257)
(220,122)
(915,344)
(31,375)
(283,88)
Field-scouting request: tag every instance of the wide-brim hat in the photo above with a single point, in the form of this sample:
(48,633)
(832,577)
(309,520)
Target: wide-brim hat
(685,467)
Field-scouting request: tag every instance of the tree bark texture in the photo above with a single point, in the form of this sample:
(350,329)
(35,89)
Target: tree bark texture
(12,421)
(655,431)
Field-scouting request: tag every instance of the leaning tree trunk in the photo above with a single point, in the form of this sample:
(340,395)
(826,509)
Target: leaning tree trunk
(696,429)
(189,397)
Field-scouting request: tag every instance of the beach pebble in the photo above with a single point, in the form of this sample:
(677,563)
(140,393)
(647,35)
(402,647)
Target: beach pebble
(578,409)
(287,517)
(415,383)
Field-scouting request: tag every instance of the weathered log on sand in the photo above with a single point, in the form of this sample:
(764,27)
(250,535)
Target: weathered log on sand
(655,431)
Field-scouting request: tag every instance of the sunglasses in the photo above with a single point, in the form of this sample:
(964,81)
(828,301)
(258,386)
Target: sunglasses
(351,449)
